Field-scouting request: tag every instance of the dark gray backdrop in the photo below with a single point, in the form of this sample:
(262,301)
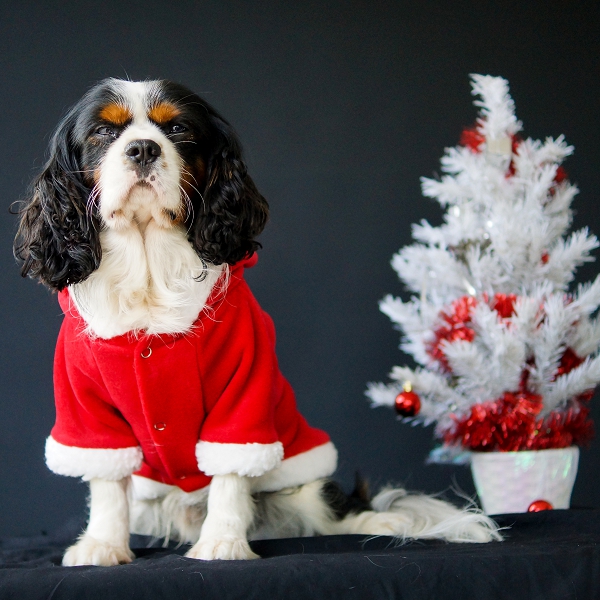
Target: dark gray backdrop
(341,106)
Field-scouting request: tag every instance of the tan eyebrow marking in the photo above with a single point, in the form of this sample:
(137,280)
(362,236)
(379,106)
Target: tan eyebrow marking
(117,114)
(163,112)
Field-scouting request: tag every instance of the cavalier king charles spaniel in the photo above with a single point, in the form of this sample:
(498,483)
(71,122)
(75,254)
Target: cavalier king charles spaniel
(169,399)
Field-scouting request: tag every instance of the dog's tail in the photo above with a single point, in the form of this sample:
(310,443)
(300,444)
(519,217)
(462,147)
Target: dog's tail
(394,511)
(429,517)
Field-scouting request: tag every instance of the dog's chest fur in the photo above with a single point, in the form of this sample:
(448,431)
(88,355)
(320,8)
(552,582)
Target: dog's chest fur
(150,279)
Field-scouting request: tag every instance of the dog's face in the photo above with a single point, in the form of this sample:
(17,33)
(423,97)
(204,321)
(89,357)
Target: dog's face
(150,136)
(139,136)
(129,152)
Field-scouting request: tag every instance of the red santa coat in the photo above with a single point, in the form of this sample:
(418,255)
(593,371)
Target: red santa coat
(177,409)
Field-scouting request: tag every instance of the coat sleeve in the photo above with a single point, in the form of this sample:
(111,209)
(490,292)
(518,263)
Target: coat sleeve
(242,385)
(90,438)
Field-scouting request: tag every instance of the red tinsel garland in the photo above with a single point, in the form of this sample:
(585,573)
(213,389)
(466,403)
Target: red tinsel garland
(511,422)
(454,327)
(456,323)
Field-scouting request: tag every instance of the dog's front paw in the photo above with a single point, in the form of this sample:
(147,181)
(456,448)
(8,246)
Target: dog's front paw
(90,551)
(222,549)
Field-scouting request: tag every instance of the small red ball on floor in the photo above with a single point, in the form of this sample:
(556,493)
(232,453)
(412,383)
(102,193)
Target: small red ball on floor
(539,505)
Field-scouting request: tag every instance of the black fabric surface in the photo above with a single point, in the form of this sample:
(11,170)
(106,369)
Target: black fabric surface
(547,555)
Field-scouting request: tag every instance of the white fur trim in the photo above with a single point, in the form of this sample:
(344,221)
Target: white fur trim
(300,469)
(92,463)
(251,460)
(143,488)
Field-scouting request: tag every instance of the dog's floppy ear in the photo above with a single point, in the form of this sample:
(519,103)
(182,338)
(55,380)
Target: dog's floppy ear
(57,240)
(233,212)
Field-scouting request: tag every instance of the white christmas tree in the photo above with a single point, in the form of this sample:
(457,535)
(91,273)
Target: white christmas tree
(507,354)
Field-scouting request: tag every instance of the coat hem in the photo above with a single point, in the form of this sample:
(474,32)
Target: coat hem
(318,462)
(308,466)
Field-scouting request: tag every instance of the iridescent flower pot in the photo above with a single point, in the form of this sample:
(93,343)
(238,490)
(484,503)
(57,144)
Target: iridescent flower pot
(509,482)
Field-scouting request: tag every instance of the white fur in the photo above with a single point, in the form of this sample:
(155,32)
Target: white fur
(301,511)
(148,281)
(165,511)
(244,459)
(317,462)
(428,517)
(229,514)
(90,463)
(106,540)
(143,488)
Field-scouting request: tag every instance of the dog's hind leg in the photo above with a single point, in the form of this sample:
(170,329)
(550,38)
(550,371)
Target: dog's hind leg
(293,512)
(105,541)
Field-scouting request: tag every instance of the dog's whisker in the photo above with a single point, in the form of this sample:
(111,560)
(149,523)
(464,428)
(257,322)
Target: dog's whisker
(194,188)
(188,205)
(186,172)
(92,198)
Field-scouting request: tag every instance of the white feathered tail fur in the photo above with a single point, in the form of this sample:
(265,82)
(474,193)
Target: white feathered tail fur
(302,511)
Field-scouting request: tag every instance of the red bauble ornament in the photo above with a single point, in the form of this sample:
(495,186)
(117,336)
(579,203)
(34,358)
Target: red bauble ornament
(539,505)
(407,404)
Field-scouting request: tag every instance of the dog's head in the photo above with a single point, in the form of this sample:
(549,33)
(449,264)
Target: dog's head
(123,138)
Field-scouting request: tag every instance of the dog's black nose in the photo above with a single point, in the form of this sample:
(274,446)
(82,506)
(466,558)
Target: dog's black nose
(142,152)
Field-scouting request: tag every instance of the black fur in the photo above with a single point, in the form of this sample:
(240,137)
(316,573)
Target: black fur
(233,212)
(340,503)
(58,236)
(57,240)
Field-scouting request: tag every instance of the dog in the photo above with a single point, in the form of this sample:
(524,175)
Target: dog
(168,394)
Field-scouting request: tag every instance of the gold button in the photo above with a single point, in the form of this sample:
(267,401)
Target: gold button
(147,352)
(160,426)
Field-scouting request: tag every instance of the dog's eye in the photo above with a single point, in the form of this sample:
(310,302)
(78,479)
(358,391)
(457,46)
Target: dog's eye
(109,131)
(176,128)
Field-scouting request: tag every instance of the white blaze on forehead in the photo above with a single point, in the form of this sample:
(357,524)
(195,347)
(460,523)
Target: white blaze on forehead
(138,96)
